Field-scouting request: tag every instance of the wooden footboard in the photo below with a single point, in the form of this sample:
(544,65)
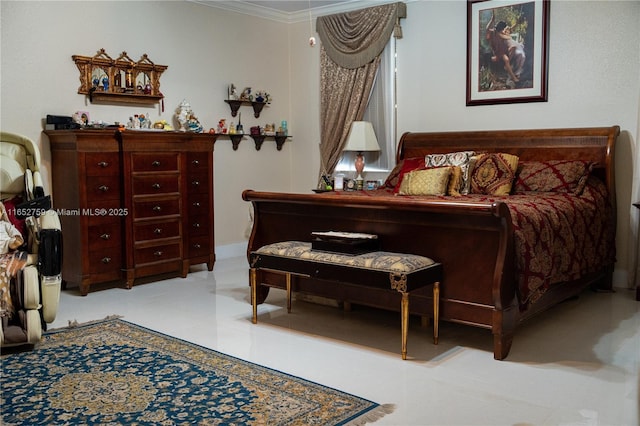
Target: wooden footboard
(474,238)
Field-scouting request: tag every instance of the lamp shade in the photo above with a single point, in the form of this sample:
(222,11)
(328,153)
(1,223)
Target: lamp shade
(362,137)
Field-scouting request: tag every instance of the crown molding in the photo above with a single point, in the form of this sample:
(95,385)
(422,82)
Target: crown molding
(258,11)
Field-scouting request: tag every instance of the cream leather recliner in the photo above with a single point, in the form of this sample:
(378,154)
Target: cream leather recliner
(35,290)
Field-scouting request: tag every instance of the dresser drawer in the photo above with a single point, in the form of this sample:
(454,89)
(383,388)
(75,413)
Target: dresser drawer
(103,187)
(198,161)
(154,162)
(105,261)
(163,253)
(156,184)
(156,208)
(198,204)
(198,183)
(103,235)
(198,225)
(156,230)
(198,246)
(102,163)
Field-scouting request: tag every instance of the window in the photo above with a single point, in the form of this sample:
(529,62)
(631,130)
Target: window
(380,112)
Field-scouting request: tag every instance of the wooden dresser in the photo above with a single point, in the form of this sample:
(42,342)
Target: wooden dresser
(132,204)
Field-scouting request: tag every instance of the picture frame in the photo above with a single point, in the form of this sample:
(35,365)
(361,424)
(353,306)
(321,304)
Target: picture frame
(507,51)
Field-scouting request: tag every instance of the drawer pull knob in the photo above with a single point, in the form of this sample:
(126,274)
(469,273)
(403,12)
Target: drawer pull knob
(157,231)
(105,236)
(158,253)
(197,246)
(106,260)
(156,163)
(196,204)
(103,164)
(157,208)
(195,183)
(103,188)
(195,162)
(156,186)
(196,225)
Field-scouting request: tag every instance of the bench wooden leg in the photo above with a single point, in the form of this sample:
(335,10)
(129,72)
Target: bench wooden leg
(254,294)
(404,312)
(288,279)
(436,311)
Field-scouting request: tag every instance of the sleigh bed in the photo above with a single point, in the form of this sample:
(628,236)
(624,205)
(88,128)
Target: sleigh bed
(506,257)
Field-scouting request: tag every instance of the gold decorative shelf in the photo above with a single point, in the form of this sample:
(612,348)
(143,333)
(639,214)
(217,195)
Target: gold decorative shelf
(120,80)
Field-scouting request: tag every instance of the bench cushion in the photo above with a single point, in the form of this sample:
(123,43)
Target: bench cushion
(378,260)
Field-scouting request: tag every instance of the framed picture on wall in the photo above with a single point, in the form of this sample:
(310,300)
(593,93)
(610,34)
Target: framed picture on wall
(507,51)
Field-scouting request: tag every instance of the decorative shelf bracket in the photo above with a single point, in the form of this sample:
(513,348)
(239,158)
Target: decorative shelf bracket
(235,106)
(259,139)
(235,140)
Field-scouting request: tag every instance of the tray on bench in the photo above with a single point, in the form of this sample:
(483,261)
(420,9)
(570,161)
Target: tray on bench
(344,242)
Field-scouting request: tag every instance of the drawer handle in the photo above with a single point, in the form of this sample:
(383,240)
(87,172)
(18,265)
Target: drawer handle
(156,186)
(103,164)
(197,246)
(106,260)
(156,163)
(196,204)
(157,208)
(158,253)
(196,225)
(105,236)
(157,231)
(195,183)
(103,188)
(195,162)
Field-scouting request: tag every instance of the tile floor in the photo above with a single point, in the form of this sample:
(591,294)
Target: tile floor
(577,364)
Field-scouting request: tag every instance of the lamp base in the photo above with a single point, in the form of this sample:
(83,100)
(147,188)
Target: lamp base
(359,165)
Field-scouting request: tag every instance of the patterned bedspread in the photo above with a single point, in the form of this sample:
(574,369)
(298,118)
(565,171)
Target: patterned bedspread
(558,237)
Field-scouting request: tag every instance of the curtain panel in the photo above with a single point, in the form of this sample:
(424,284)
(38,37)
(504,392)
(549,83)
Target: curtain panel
(349,58)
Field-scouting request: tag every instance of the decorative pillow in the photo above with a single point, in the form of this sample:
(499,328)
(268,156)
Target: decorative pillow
(460,159)
(493,174)
(425,182)
(553,176)
(407,165)
(455,182)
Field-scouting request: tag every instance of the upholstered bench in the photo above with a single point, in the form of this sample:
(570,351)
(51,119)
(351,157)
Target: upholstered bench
(379,269)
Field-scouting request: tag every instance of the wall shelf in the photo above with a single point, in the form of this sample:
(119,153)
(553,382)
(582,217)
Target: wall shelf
(257,139)
(121,80)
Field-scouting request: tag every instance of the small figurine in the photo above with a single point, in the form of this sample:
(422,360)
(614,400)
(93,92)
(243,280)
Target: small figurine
(105,83)
(222,126)
(182,114)
(246,95)
(233,92)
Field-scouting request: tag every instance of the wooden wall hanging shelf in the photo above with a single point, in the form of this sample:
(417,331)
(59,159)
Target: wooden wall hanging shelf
(235,106)
(121,80)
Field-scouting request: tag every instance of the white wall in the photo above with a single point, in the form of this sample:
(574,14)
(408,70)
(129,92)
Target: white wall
(205,49)
(594,69)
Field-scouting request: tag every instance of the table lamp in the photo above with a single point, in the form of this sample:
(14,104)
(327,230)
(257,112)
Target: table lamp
(361,138)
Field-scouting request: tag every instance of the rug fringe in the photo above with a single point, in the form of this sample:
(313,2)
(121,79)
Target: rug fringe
(373,415)
(75,323)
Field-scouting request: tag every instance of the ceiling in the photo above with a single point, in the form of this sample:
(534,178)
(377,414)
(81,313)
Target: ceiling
(289,11)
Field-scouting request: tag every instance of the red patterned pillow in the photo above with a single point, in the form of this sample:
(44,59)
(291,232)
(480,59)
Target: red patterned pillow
(553,176)
(405,166)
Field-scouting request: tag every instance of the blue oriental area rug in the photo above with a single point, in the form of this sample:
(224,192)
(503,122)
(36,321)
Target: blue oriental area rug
(117,373)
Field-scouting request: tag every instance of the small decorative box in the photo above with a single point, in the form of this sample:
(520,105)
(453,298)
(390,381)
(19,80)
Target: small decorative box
(344,242)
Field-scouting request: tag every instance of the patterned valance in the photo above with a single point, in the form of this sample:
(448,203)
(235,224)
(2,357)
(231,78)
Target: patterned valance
(353,39)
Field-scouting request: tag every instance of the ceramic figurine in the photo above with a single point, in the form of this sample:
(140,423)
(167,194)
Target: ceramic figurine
(182,114)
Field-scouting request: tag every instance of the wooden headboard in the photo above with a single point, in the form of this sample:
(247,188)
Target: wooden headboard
(594,144)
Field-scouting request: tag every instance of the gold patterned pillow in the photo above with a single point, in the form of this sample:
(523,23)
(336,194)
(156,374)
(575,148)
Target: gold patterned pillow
(460,159)
(493,174)
(426,182)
